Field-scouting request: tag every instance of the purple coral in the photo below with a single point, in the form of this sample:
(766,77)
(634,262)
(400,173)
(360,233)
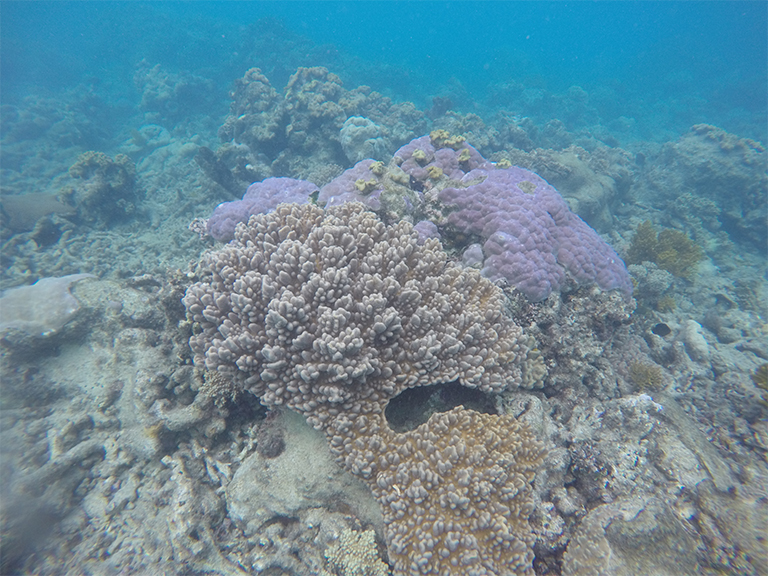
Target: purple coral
(426,229)
(531,236)
(344,187)
(447,159)
(260,198)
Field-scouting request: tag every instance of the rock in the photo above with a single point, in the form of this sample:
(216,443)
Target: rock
(41,309)
(305,475)
(695,344)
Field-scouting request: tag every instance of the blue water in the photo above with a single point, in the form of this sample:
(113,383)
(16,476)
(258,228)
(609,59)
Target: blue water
(667,65)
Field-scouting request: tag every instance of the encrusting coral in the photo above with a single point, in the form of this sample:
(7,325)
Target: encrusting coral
(332,314)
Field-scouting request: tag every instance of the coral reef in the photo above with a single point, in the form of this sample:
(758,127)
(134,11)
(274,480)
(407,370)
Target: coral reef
(591,182)
(531,238)
(711,164)
(660,542)
(316,121)
(454,492)
(172,96)
(332,314)
(361,138)
(120,456)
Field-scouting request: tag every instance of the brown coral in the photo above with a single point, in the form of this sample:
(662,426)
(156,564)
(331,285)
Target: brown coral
(671,250)
(646,376)
(455,492)
(332,314)
(107,191)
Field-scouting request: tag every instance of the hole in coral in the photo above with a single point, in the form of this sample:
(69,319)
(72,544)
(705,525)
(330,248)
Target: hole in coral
(414,406)
(661,329)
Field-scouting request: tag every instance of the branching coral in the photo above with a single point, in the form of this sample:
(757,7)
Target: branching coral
(332,314)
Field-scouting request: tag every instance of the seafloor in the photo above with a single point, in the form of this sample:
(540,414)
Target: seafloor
(120,457)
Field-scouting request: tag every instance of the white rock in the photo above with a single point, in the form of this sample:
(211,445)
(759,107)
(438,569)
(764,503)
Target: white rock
(695,344)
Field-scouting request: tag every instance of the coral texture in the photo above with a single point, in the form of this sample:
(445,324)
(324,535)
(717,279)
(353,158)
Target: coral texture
(345,188)
(671,250)
(442,152)
(355,554)
(260,198)
(531,236)
(332,314)
(315,122)
(455,492)
(361,138)
(713,165)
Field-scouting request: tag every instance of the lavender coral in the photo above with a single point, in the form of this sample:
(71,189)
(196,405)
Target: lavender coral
(260,198)
(531,236)
(332,314)
(531,239)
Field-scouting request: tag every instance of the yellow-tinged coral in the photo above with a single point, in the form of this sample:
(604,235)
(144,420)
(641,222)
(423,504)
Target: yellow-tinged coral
(666,304)
(443,139)
(643,247)
(419,155)
(434,172)
(219,388)
(760,376)
(503,163)
(670,250)
(438,137)
(355,554)
(366,186)
(378,168)
(677,253)
(646,376)
(760,379)
(464,156)
(332,314)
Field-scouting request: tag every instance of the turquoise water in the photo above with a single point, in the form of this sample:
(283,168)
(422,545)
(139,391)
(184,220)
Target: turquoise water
(668,65)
